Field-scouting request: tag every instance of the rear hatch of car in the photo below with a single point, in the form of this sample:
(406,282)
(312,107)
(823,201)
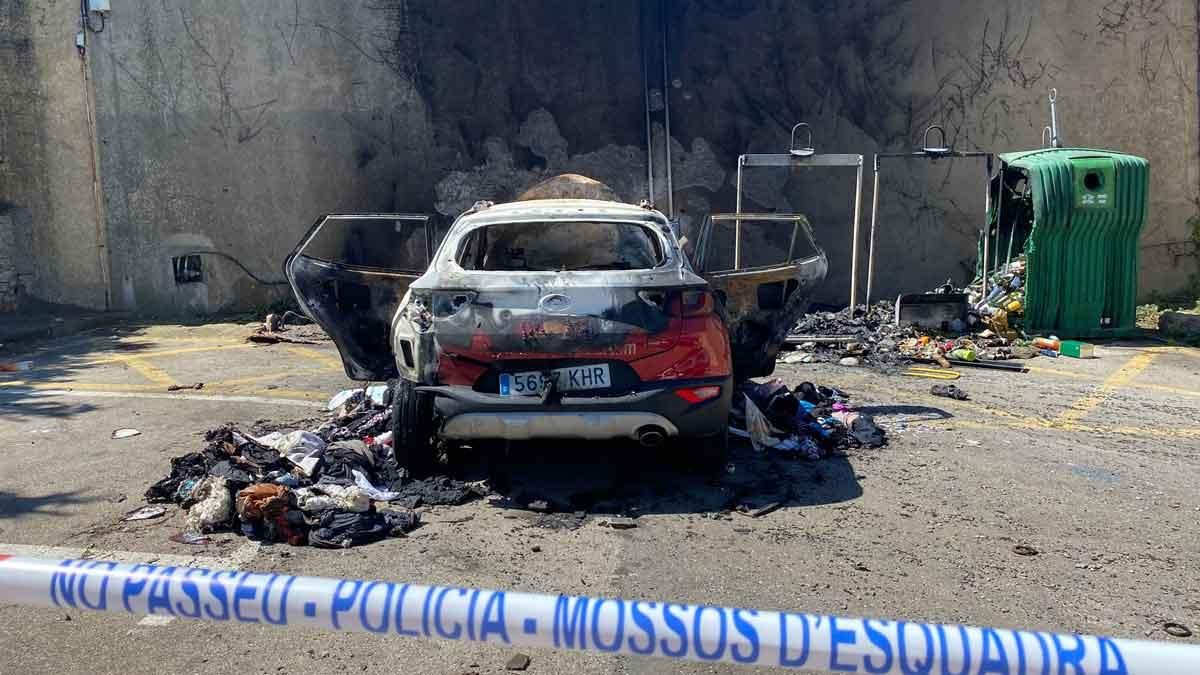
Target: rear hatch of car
(575,301)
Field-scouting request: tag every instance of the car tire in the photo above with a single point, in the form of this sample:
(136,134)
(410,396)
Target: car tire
(412,428)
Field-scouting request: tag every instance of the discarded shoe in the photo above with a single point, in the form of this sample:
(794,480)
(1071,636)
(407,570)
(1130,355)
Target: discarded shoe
(948,391)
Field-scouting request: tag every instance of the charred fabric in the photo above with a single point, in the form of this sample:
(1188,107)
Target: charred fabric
(335,486)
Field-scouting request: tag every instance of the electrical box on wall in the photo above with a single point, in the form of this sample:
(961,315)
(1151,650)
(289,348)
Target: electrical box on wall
(99,6)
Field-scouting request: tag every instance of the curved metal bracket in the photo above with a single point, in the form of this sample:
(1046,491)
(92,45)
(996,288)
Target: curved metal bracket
(1047,137)
(806,150)
(932,149)
(1053,94)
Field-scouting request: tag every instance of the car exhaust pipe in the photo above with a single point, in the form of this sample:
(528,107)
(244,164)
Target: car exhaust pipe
(651,437)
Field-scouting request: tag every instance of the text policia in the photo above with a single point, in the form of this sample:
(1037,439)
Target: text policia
(644,628)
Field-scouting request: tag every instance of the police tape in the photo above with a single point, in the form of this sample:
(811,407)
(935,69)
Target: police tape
(611,626)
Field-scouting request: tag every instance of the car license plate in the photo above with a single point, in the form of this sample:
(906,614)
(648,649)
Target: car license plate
(574,378)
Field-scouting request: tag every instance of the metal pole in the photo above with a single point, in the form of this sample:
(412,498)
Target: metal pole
(854,246)
(737,223)
(871,246)
(987,213)
(666,89)
(646,100)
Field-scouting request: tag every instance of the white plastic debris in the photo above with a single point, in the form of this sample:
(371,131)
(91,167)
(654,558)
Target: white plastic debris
(365,483)
(344,396)
(377,393)
(324,496)
(214,508)
(302,448)
(144,513)
(762,433)
(125,433)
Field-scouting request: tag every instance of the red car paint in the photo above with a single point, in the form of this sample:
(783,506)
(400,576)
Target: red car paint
(695,344)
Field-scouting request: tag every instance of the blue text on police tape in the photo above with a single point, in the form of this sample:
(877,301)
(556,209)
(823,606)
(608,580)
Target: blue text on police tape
(606,625)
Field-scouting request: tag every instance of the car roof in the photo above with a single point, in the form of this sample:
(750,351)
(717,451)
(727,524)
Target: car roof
(562,209)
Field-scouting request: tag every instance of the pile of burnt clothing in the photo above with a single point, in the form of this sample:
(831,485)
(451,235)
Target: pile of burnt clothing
(336,485)
(867,334)
(809,421)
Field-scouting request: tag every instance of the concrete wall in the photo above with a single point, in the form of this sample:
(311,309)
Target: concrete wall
(46,156)
(229,126)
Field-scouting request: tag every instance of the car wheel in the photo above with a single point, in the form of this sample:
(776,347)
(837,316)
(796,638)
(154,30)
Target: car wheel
(412,428)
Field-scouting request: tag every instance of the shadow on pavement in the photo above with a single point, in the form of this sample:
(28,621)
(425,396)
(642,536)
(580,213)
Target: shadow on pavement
(60,360)
(13,505)
(619,479)
(911,413)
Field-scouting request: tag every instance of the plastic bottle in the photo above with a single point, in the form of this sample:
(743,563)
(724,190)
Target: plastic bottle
(1048,352)
(1047,343)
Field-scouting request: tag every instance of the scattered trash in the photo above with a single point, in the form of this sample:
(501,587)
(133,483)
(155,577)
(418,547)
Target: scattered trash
(190,538)
(276,338)
(144,513)
(118,498)
(802,422)
(15,366)
(318,486)
(619,523)
(1177,629)
(213,506)
(125,433)
(328,496)
(181,387)
(763,510)
(849,361)
(1077,350)
(277,322)
(873,329)
(1023,549)
(302,448)
(346,396)
(948,391)
(517,662)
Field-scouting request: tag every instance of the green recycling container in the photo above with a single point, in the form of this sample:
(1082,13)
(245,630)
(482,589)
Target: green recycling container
(1080,213)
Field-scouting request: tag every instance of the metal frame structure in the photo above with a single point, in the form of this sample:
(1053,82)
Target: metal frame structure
(932,153)
(800,157)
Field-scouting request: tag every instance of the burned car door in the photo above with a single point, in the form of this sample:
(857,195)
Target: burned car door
(349,274)
(764,268)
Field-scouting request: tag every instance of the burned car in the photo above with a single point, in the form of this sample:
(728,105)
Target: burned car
(551,318)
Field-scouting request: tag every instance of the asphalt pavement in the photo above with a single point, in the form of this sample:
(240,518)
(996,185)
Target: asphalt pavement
(1092,464)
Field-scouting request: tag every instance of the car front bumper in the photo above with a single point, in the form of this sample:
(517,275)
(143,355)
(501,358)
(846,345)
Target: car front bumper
(469,415)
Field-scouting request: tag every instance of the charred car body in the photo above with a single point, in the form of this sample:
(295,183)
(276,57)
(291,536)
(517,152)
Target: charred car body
(552,318)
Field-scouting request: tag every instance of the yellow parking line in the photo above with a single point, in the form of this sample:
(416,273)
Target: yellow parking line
(279,392)
(251,379)
(165,352)
(1033,424)
(320,357)
(92,386)
(150,372)
(1124,375)
(1134,385)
